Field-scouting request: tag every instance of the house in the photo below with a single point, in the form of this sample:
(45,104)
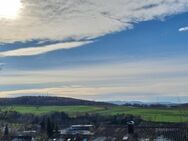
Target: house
(78,132)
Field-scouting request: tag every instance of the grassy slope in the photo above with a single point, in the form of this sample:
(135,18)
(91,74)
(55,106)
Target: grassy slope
(162,115)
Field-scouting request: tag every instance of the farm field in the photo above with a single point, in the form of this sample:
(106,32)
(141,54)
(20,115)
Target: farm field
(149,114)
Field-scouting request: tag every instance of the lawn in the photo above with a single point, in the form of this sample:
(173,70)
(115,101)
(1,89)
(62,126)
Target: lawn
(149,114)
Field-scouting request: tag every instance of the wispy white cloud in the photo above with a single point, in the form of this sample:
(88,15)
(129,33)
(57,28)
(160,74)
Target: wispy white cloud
(131,70)
(77,19)
(183,29)
(145,90)
(41,50)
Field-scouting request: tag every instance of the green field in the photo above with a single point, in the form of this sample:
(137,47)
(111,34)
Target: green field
(149,114)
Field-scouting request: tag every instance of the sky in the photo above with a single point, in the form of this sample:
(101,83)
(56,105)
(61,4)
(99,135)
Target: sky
(104,50)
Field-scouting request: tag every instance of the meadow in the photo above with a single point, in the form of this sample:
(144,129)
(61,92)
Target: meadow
(149,114)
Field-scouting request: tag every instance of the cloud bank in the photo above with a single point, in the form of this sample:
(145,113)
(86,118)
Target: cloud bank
(82,19)
(134,80)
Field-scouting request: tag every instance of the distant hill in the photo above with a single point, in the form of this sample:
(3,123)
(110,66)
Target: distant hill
(126,102)
(46,101)
(142,103)
(148,104)
(183,105)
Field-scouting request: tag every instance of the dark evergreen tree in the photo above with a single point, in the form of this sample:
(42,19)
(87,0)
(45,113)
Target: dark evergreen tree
(43,125)
(6,131)
(49,128)
(56,128)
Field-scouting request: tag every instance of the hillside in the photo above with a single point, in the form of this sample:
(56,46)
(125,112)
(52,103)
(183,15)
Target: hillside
(48,101)
(148,114)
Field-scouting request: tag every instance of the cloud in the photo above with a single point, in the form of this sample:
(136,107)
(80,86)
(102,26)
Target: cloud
(172,87)
(182,29)
(82,19)
(41,50)
(132,70)
(131,80)
(90,91)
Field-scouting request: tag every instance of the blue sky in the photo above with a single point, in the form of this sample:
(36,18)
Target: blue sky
(140,58)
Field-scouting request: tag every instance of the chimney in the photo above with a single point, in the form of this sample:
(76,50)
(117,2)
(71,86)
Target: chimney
(130,127)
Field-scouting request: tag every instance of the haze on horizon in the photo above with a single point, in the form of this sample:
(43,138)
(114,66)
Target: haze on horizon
(128,50)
